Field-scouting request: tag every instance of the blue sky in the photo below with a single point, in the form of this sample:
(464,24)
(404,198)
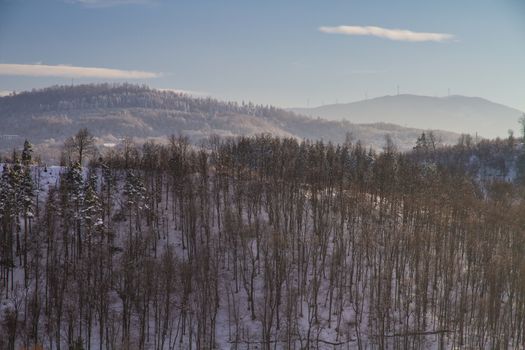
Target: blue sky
(272,52)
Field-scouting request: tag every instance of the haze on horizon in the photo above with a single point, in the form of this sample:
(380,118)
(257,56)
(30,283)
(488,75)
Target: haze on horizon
(287,54)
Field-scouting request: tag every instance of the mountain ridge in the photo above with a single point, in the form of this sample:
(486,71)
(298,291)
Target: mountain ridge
(457,113)
(113,111)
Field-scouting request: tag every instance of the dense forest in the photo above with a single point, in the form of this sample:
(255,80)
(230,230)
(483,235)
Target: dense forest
(64,98)
(264,243)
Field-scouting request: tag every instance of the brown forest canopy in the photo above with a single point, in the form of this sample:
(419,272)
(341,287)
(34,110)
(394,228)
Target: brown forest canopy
(263,241)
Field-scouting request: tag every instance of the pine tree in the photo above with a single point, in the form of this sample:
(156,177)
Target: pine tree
(74,182)
(27,153)
(421,144)
(135,194)
(92,205)
(7,219)
(16,179)
(74,187)
(26,196)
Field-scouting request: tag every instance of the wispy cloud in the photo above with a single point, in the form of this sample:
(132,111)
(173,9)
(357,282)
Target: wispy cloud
(385,33)
(42,70)
(109,3)
(5,93)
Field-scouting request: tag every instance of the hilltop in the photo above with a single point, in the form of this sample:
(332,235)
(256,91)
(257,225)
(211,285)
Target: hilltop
(459,114)
(111,112)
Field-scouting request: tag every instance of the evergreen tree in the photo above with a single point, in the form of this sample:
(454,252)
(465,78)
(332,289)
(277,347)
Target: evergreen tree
(7,221)
(74,193)
(421,143)
(26,195)
(92,205)
(27,153)
(135,194)
(74,182)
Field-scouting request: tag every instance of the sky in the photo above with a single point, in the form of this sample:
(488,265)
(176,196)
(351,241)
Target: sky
(292,53)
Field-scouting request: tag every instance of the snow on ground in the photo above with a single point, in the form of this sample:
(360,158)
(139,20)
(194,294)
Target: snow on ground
(226,333)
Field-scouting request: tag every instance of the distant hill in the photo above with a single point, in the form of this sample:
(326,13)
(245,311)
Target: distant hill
(48,116)
(455,113)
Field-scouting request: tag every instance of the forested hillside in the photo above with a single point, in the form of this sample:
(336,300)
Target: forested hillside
(112,112)
(264,243)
